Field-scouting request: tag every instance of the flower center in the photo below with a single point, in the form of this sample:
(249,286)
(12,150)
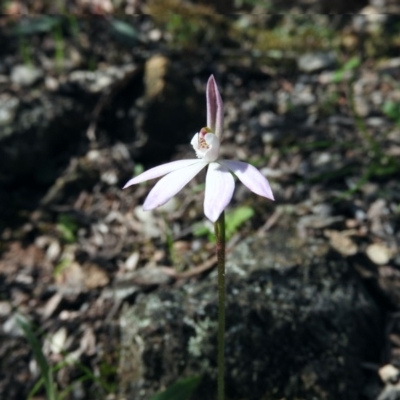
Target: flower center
(206,145)
(202,141)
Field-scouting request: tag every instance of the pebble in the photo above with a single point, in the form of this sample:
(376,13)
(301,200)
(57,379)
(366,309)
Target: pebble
(369,20)
(5,308)
(155,35)
(268,118)
(272,136)
(312,62)
(375,122)
(97,81)
(24,75)
(341,242)
(56,341)
(132,261)
(12,327)
(361,106)
(8,107)
(389,373)
(378,253)
(302,95)
(150,228)
(110,177)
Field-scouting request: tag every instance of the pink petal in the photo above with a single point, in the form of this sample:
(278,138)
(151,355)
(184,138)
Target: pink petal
(160,171)
(219,190)
(215,108)
(250,177)
(171,184)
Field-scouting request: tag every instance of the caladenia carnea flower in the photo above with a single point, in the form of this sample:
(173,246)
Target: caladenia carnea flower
(218,193)
(220,183)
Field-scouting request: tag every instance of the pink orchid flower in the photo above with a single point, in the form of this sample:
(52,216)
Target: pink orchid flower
(219,180)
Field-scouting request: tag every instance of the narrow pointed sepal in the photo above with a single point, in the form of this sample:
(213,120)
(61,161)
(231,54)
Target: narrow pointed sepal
(215,108)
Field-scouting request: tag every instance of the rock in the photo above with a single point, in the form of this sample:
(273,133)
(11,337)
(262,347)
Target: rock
(302,95)
(273,136)
(28,142)
(12,326)
(56,342)
(389,66)
(24,75)
(370,20)
(101,79)
(312,62)
(361,106)
(268,119)
(71,279)
(148,276)
(390,376)
(8,106)
(299,324)
(379,253)
(132,261)
(94,276)
(150,227)
(317,221)
(5,308)
(341,242)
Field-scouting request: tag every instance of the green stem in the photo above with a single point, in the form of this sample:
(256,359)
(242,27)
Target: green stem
(219,227)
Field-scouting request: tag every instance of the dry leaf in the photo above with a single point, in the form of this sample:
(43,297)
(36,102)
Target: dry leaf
(341,242)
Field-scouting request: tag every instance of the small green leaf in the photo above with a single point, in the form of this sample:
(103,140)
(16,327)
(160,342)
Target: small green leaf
(351,64)
(236,218)
(180,390)
(124,32)
(392,110)
(138,169)
(61,266)
(124,28)
(204,229)
(68,228)
(200,229)
(41,24)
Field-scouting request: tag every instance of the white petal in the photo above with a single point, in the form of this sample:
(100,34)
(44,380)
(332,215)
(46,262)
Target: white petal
(161,170)
(171,184)
(250,177)
(219,190)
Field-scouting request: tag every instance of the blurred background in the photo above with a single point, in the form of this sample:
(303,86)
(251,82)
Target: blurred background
(122,303)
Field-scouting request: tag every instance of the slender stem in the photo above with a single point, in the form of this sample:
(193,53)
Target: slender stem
(219,227)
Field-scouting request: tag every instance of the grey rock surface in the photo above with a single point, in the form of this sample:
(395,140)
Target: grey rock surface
(299,326)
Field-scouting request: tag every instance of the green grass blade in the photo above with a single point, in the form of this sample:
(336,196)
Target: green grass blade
(35,388)
(45,369)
